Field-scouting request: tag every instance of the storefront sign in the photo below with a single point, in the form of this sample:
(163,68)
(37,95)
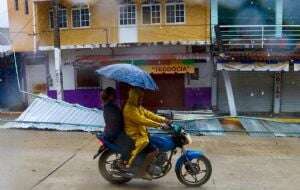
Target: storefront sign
(169,69)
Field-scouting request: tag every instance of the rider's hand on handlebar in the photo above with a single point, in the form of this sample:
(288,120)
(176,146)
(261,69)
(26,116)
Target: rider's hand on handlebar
(164,126)
(168,122)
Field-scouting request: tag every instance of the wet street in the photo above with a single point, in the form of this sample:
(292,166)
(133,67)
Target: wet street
(55,161)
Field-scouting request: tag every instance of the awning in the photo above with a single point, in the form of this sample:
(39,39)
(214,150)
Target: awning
(257,66)
(139,58)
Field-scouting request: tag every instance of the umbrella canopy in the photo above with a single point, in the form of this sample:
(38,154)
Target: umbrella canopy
(129,74)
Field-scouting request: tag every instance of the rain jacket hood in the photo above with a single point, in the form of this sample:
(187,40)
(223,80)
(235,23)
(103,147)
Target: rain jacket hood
(134,96)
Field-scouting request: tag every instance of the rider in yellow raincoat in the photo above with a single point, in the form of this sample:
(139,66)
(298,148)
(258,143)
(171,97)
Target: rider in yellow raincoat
(137,119)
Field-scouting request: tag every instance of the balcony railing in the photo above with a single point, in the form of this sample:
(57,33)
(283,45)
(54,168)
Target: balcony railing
(258,36)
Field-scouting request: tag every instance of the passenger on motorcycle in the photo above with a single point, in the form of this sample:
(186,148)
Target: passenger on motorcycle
(114,124)
(137,119)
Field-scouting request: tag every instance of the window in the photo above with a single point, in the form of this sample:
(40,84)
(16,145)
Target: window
(87,78)
(128,13)
(26,7)
(17,5)
(151,12)
(62,17)
(175,11)
(80,16)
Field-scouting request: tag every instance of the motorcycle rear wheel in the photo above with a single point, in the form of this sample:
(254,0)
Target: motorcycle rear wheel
(106,174)
(182,177)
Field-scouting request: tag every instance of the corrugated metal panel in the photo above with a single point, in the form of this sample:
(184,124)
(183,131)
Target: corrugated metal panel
(290,99)
(284,129)
(253,92)
(202,127)
(61,115)
(264,128)
(256,127)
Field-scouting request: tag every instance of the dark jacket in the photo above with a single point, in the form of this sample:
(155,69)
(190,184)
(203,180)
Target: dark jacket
(113,121)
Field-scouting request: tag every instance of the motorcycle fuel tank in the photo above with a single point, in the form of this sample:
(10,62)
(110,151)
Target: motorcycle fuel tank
(163,142)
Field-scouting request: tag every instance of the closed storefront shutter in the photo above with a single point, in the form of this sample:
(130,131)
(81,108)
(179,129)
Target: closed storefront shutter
(253,92)
(290,101)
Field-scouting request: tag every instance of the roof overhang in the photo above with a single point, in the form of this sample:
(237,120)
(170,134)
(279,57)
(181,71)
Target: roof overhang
(71,2)
(142,59)
(258,56)
(257,66)
(125,45)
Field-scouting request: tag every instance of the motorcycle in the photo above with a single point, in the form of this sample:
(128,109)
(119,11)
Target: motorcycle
(192,168)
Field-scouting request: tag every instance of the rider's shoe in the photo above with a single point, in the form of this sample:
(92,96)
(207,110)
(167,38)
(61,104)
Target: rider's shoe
(147,177)
(127,174)
(124,170)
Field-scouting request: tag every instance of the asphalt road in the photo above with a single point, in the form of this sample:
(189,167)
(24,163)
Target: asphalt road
(62,160)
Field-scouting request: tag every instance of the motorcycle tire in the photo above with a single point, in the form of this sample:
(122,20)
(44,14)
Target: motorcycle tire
(106,174)
(202,181)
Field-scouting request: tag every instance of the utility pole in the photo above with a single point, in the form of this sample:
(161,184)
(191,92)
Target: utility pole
(57,52)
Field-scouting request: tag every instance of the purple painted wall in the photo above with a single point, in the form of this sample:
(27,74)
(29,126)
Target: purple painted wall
(198,98)
(195,98)
(86,97)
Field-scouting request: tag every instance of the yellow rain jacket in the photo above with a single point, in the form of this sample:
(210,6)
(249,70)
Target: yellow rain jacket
(137,119)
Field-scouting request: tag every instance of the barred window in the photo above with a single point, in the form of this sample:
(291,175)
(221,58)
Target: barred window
(175,11)
(151,12)
(81,16)
(62,17)
(128,14)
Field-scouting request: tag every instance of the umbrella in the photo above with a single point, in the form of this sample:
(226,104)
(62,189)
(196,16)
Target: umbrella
(129,74)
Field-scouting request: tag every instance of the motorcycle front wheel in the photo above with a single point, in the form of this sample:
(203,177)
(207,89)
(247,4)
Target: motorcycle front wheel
(194,173)
(108,170)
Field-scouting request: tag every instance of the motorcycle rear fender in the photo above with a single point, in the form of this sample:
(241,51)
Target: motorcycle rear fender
(100,151)
(189,155)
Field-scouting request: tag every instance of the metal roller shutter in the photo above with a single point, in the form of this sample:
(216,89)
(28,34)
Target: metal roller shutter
(290,99)
(253,92)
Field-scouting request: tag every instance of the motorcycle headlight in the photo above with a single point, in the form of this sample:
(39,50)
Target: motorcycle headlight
(189,139)
(186,139)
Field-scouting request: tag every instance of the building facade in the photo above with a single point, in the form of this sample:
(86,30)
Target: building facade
(257,53)
(252,68)
(168,38)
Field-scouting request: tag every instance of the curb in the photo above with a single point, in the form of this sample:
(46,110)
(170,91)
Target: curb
(235,120)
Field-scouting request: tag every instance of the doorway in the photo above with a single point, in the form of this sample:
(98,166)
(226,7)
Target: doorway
(169,96)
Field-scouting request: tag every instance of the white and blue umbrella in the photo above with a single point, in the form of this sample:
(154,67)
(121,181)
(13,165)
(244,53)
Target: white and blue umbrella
(129,74)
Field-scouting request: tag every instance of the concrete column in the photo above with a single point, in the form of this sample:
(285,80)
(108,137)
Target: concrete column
(279,17)
(58,74)
(214,17)
(277,93)
(214,20)
(214,84)
(229,92)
